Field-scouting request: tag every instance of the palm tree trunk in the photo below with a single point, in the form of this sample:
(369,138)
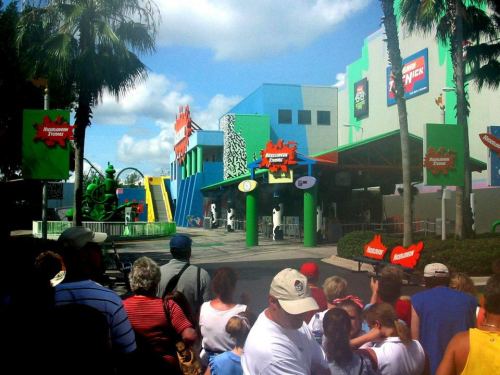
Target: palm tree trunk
(391,31)
(82,120)
(463,213)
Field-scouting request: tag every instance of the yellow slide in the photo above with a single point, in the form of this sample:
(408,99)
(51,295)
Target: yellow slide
(157,199)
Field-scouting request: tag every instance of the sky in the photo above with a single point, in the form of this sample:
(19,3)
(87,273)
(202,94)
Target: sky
(211,54)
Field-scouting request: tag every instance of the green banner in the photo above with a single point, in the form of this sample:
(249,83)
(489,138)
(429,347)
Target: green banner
(46,136)
(444,155)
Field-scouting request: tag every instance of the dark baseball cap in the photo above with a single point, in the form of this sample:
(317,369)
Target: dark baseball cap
(180,241)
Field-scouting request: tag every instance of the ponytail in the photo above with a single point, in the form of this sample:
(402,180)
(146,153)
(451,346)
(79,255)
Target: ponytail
(402,331)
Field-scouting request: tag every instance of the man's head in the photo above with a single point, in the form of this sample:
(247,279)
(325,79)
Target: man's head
(492,295)
(289,298)
(436,274)
(180,247)
(81,250)
(311,271)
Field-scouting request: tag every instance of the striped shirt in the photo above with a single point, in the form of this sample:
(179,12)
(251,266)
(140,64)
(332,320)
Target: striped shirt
(150,323)
(90,293)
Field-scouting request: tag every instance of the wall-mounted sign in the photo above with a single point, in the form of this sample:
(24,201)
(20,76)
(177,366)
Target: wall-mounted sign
(361,98)
(305,182)
(279,156)
(375,248)
(407,257)
(443,160)
(46,135)
(439,161)
(247,185)
(415,77)
(492,141)
(183,129)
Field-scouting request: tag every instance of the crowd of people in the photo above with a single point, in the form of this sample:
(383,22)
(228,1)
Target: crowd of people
(180,320)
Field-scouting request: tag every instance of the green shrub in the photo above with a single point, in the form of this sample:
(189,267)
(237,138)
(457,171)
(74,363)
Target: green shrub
(473,256)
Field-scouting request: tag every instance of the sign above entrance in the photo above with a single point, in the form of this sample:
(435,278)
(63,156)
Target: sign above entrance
(279,156)
(247,186)
(492,142)
(183,129)
(305,182)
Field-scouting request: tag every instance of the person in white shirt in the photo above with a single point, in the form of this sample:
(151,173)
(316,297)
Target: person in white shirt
(392,349)
(280,342)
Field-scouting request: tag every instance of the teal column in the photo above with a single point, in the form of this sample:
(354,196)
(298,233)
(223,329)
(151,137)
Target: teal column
(188,164)
(310,216)
(183,170)
(252,223)
(193,162)
(199,159)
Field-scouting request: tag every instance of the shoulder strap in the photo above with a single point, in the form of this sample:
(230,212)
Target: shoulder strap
(172,283)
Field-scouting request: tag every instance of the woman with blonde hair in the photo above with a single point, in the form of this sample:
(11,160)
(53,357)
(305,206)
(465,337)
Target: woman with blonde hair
(393,350)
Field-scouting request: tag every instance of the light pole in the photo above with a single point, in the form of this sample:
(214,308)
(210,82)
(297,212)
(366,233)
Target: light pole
(445,192)
(355,126)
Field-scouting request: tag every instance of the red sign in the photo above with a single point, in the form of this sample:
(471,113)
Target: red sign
(492,142)
(407,257)
(439,161)
(183,129)
(279,156)
(54,132)
(375,248)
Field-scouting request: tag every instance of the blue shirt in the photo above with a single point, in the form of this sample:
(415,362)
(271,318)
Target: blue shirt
(442,313)
(226,363)
(90,293)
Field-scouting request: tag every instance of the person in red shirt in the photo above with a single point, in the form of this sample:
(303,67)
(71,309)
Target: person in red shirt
(311,271)
(156,329)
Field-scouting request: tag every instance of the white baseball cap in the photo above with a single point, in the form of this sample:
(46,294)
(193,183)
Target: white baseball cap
(77,237)
(436,270)
(290,288)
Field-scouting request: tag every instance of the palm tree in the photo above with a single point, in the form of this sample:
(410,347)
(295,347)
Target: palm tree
(452,21)
(391,31)
(92,45)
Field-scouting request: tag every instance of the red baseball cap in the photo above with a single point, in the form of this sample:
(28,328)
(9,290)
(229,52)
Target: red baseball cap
(310,270)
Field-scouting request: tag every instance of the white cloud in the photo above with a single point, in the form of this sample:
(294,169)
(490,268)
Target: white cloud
(340,80)
(242,29)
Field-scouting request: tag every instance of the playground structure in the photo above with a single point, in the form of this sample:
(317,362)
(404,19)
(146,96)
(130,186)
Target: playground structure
(158,199)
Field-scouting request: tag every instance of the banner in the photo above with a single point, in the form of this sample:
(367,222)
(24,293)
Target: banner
(361,99)
(415,77)
(46,147)
(443,155)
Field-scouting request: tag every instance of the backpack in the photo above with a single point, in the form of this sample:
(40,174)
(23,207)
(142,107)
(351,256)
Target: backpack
(178,297)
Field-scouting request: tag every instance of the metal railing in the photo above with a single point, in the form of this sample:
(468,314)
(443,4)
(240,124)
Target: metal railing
(115,230)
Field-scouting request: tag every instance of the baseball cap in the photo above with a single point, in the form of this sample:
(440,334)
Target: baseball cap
(310,270)
(77,237)
(289,287)
(180,241)
(436,270)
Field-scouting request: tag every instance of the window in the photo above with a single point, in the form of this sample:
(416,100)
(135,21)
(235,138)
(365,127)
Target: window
(284,116)
(304,117)
(323,117)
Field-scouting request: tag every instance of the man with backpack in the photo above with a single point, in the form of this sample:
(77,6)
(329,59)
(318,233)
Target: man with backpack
(178,274)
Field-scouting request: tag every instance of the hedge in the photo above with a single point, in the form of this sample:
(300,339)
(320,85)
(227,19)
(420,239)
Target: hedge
(473,256)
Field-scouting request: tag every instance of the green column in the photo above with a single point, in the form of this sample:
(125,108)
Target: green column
(310,216)
(199,159)
(183,170)
(193,162)
(188,164)
(252,225)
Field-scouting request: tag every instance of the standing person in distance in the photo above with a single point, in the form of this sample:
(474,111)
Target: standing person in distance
(194,281)
(280,342)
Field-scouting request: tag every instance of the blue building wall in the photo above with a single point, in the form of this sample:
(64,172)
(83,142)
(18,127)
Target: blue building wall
(135,195)
(312,138)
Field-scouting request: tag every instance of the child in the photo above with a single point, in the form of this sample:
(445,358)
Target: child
(229,363)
